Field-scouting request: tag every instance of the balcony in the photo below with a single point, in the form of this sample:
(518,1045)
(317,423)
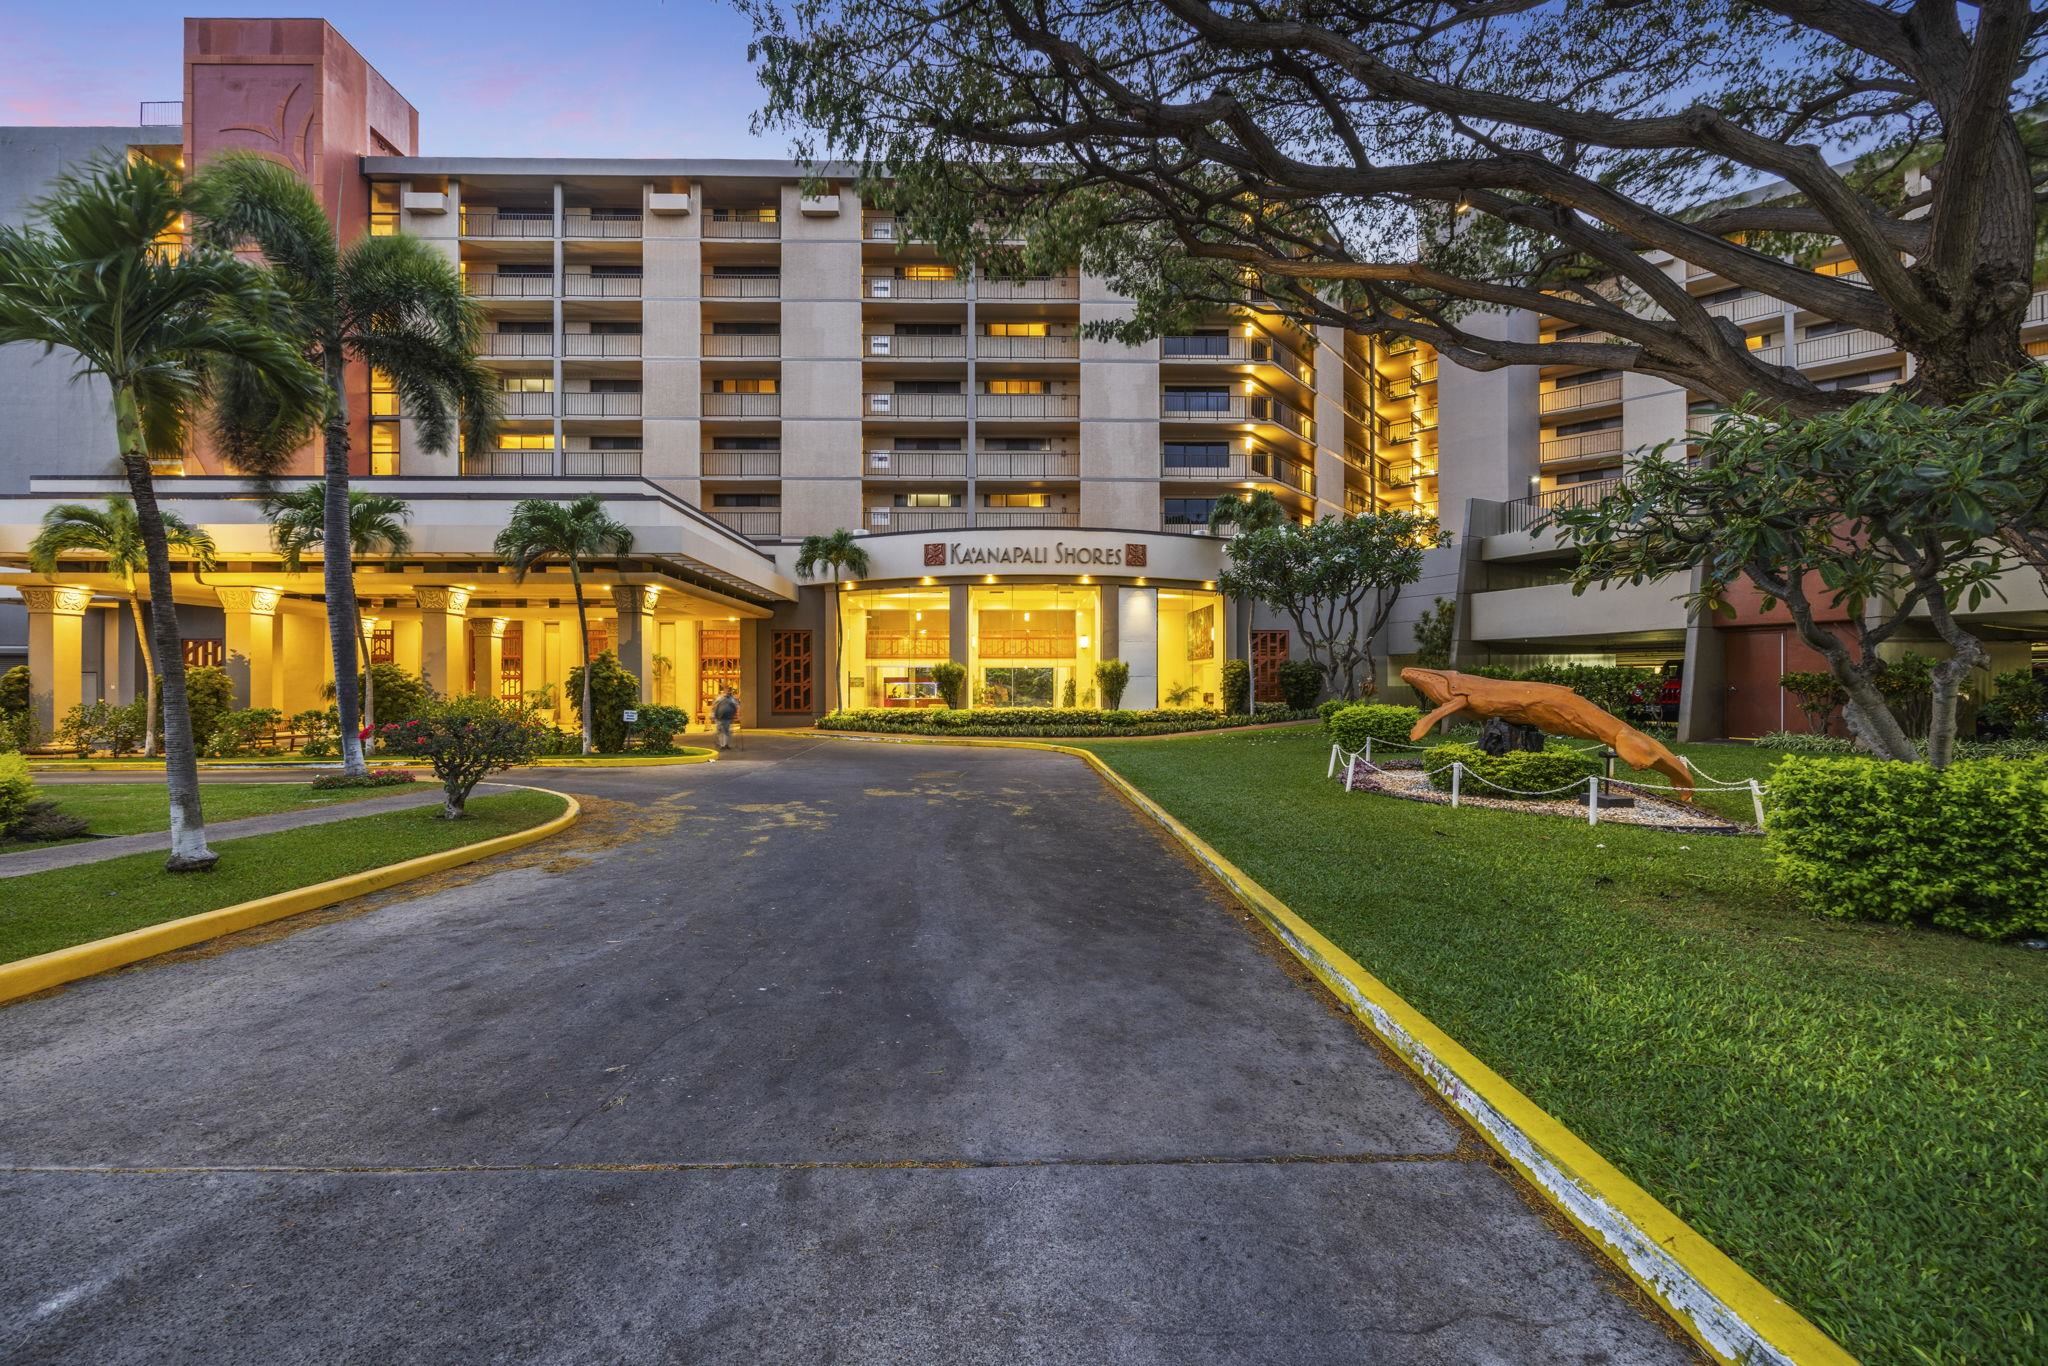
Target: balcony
(497,223)
(1770,355)
(882,227)
(2037,309)
(615,224)
(600,405)
(1007,406)
(509,464)
(1746,308)
(742,405)
(752,227)
(1027,348)
(1232,347)
(742,464)
(527,405)
(498,285)
(601,464)
(1241,466)
(1582,446)
(893,464)
(601,286)
(890,287)
(1036,289)
(742,344)
(756,524)
(1522,513)
(514,344)
(1224,407)
(1844,346)
(1566,397)
(1553,611)
(915,519)
(895,346)
(1060,463)
(1026,517)
(601,344)
(742,286)
(917,406)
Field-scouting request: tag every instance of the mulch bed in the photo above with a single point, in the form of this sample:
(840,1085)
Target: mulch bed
(1406,780)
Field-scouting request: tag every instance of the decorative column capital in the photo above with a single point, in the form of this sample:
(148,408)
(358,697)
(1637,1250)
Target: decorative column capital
(494,627)
(635,598)
(260,602)
(63,601)
(453,601)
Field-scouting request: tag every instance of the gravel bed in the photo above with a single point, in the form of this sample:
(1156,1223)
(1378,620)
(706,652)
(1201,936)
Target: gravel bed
(1407,781)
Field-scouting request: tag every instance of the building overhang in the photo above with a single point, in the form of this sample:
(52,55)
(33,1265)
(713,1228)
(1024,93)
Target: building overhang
(985,554)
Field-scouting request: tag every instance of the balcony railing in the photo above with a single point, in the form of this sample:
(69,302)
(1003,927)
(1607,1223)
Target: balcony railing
(915,519)
(509,464)
(893,464)
(2037,308)
(1024,517)
(758,344)
(1746,307)
(742,405)
(601,344)
(1568,396)
(1040,287)
(1843,346)
(495,285)
(600,286)
(478,222)
(898,645)
(1008,406)
(612,223)
(756,524)
(1770,355)
(914,405)
(1582,445)
(742,464)
(1239,466)
(742,286)
(1027,348)
(518,344)
(600,405)
(601,464)
(881,227)
(1053,464)
(1222,407)
(896,346)
(891,287)
(527,405)
(1522,513)
(742,225)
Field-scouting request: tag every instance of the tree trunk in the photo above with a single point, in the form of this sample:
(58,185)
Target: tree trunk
(337,571)
(148,674)
(583,630)
(181,764)
(369,689)
(1966,653)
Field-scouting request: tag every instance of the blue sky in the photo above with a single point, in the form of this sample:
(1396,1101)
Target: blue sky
(515,77)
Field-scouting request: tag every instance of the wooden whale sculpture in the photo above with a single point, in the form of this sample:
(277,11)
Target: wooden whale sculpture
(1554,710)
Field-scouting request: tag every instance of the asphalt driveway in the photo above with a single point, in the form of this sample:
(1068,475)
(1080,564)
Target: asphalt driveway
(832,1052)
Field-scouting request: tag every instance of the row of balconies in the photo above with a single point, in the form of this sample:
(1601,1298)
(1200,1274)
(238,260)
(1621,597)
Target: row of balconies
(959,519)
(887,465)
(573,285)
(895,346)
(1210,406)
(541,345)
(954,406)
(602,223)
(573,404)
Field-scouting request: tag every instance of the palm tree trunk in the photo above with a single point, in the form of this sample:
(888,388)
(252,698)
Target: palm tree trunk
(181,764)
(338,574)
(369,688)
(583,630)
(148,673)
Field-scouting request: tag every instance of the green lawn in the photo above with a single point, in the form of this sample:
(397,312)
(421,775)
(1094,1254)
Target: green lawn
(44,911)
(139,808)
(1858,1114)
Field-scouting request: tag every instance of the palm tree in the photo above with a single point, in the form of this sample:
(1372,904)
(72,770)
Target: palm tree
(160,328)
(376,526)
(115,533)
(843,554)
(394,303)
(572,532)
(1256,511)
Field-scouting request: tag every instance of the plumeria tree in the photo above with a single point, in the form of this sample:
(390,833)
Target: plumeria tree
(376,526)
(572,533)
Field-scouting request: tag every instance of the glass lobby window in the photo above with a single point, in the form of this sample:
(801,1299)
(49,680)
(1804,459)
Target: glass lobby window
(1190,648)
(1033,646)
(890,639)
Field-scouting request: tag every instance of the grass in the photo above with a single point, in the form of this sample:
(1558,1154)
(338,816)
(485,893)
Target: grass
(1858,1114)
(40,912)
(141,808)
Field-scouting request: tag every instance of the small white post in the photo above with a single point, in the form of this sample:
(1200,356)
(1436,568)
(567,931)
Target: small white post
(1457,772)
(1368,749)
(1334,752)
(1592,801)
(1350,771)
(1756,799)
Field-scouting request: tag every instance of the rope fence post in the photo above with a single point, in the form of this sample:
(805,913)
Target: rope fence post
(1756,799)
(1333,761)
(1367,751)
(1457,772)
(1592,801)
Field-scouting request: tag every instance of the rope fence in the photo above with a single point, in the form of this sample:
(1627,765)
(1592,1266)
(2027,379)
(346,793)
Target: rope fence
(1459,772)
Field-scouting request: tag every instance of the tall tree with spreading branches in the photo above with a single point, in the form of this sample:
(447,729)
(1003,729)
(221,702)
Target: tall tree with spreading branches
(393,303)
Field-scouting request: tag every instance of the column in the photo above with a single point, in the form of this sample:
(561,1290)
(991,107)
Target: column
(634,638)
(689,658)
(305,658)
(251,630)
(443,640)
(490,655)
(1137,640)
(56,655)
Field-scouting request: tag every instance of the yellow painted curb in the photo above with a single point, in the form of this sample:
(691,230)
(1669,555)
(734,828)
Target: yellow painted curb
(1722,1307)
(26,976)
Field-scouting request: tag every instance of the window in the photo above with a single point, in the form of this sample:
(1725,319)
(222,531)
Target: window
(746,500)
(1828,329)
(1592,476)
(927,386)
(1198,455)
(529,384)
(383,395)
(537,268)
(614,329)
(1019,329)
(927,443)
(615,443)
(615,386)
(384,209)
(1598,424)
(383,449)
(927,329)
(760,213)
(1209,400)
(1015,443)
(1867,379)
(525,327)
(525,441)
(1016,500)
(1588,377)
(1014,386)
(743,329)
(763,385)
(1757,341)
(615,272)
(1189,511)
(746,443)
(768,272)
(1204,341)
(1836,268)
(927,272)
(925,500)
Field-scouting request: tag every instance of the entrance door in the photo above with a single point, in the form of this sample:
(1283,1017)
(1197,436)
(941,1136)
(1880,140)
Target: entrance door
(1269,652)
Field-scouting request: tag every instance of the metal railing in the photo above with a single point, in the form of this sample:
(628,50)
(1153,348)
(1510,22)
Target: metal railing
(2037,308)
(1227,407)
(495,285)
(527,404)
(1520,514)
(746,226)
(1567,396)
(757,524)
(742,464)
(508,464)
(601,344)
(1844,345)
(481,222)
(742,405)
(580,286)
(1002,406)
(891,287)
(601,464)
(1027,348)
(518,344)
(742,344)
(914,519)
(1040,287)
(742,286)
(1770,355)
(1746,307)
(881,227)
(914,405)
(160,113)
(612,223)
(600,405)
(1026,517)
(1059,463)
(894,464)
(897,346)
(1242,465)
(1582,445)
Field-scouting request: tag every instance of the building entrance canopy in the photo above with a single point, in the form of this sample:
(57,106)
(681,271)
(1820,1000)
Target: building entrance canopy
(1041,553)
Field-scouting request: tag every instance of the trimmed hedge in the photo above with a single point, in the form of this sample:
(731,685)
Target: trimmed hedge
(1531,775)
(1351,725)
(1047,722)
(17,790)
(1874,839)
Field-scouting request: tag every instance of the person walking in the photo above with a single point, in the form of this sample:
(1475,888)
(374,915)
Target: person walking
(723,712)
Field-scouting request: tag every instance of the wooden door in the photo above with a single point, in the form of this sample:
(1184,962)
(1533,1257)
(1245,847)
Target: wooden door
(1269,652)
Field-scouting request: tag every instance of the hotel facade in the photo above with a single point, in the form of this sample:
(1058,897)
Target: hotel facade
(734,359)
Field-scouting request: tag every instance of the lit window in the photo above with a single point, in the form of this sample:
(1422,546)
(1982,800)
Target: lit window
(383,449)
(1015,386)
(927,272)
(526,441)
(1016,500)
(743,386)
(529,384)
(1020,329)
(383,395)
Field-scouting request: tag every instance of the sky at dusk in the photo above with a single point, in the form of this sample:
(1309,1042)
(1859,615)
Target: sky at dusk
(633,78)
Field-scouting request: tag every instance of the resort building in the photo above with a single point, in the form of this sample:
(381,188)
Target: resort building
(734,359)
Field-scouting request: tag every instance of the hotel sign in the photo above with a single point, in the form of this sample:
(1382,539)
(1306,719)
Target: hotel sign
(1130,555)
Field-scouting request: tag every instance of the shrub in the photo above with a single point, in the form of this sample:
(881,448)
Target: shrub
(1434,634)
(2018,706)
(400,695)
(1330,707)
(1519,775)
(1818,696)
(237,734)
(1615,688)
(613,689)
(466,739)
(659,725)
(44,821)
(1795,742)
(1181,696)
(1112,676)
(321,731)
(209,695)
(1070,692)
(15,693)
(107,726)
(376,777)
(1875,839)
(17,790)
(1042,722)
(952,680)
(950,718)
(1237,687)
(1381,721)
(1301,683)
